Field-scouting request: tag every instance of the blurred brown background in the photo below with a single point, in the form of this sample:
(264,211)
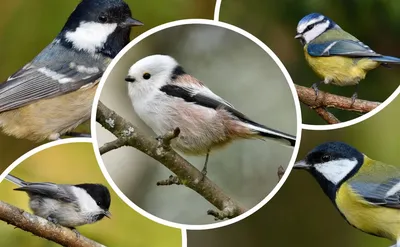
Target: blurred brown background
(74,164)
(300,214)
(374,22)
(233,67)
(26,27)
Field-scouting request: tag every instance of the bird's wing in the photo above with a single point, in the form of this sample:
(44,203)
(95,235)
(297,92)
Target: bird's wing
(347,48)
(32,83)
(203,97)
(379,184)
(48,190)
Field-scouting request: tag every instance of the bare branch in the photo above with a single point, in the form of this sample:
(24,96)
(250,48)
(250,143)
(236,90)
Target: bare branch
(327,116)
(43,228)
(160,150)
(111,146)
(324,100)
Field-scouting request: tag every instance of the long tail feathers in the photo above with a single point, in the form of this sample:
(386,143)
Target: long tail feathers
(273,134)
(15,180)
(386,59)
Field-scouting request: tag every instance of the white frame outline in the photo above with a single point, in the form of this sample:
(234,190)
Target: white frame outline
(190,22)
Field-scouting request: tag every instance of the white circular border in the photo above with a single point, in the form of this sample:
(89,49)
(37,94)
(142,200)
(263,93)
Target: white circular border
(115,62)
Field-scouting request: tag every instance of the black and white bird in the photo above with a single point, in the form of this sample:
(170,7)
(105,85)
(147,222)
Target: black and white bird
(53,94)
(165,98)
(66,205)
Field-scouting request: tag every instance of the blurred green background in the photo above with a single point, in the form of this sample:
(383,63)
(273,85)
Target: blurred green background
(300,214)
(26,27)
(233,67)
(375,22)
(73,164)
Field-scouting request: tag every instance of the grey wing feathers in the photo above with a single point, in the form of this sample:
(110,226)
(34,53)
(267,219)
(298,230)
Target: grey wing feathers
(33,83)
(383,193)
(49,190)
(15,180)
(349,48)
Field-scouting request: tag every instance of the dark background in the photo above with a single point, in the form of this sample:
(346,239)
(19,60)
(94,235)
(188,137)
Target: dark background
(375,22)
(300,214)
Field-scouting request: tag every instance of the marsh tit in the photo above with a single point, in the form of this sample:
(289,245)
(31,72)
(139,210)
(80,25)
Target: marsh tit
(335,55)
(64,204)
(165,97)
(53,94)
(365,191)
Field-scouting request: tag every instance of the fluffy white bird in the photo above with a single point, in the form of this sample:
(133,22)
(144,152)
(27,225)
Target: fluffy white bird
(165,98)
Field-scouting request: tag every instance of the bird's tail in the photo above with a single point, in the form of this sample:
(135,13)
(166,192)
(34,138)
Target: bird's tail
(386,59)
(269,133)
(15,180)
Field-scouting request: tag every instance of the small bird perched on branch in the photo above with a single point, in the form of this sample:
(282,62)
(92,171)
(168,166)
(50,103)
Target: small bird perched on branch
(53,94)
(365,191)
(335,55)
(66,205)
(165,97)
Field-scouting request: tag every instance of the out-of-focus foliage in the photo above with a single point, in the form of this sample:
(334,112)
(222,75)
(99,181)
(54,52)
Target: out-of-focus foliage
(375,22)
(234,68)
(27,26)
(300,214)
(74,164)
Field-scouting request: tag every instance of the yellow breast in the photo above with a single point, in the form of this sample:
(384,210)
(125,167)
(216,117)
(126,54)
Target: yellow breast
(341,71)
(380,221)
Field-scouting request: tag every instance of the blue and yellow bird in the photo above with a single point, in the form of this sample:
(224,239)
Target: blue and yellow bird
(335,55)
(365,191)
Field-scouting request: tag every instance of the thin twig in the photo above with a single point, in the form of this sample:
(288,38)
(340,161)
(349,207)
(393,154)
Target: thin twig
(324,100)
(43,228)
(111,146)
(161,151)
(327,116)
(281,172)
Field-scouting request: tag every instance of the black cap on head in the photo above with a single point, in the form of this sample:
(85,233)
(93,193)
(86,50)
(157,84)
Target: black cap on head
(99,193)
(103,12)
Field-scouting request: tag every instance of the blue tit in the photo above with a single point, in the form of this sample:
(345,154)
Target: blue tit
(365,191)
(335,55)
(53,94)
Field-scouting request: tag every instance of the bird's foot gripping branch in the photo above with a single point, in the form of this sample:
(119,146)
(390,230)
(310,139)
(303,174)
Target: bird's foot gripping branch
(159,149)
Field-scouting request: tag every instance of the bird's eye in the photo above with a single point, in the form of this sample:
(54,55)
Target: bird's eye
(146,76)
(325,158)
(98,203)
(309,27)
(103,18)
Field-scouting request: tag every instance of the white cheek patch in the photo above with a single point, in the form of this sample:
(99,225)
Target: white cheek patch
(85,201)
(336,170)
(90,36)
(316,31)
(61,78)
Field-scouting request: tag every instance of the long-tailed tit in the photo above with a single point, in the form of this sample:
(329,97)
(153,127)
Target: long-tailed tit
(165,97)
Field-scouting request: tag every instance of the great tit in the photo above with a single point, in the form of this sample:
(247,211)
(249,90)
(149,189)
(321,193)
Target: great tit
(64,204)
(335,55)
(53,94)
(366,192)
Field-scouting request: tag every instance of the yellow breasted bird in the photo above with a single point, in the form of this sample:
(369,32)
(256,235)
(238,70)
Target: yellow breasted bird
(365,191)
(335,55)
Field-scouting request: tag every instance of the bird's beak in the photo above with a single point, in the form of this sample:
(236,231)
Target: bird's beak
(301,165)
(130,79)
(298,36)
(130,22)
(107,214)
